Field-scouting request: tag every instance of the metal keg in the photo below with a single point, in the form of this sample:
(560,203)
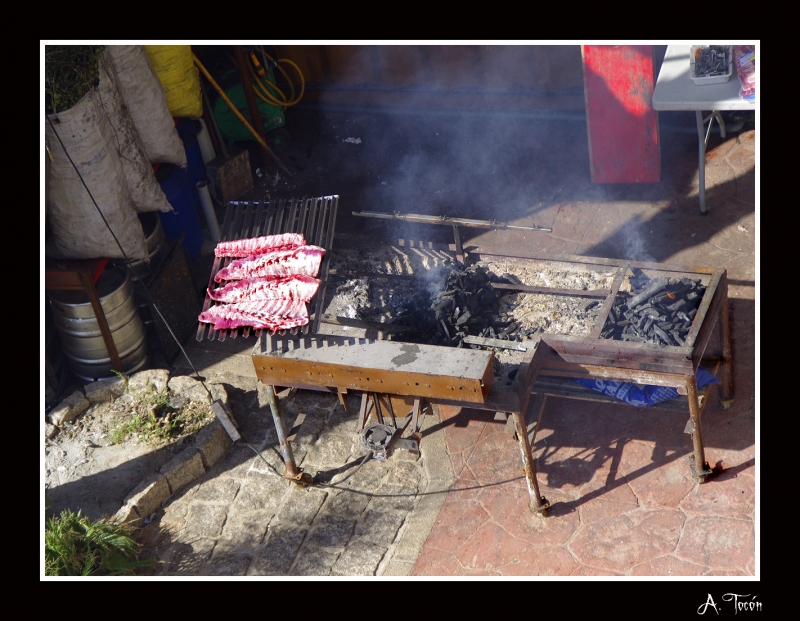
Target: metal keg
(81,340)
(156,244)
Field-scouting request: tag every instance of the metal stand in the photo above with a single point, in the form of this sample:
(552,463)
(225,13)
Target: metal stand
(701,145)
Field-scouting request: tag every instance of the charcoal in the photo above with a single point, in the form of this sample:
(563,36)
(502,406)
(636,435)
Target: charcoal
(662,335)
(647,325)
(463,318)
(511,279)
(677,306)
(590,305)
(692,295)
(683,317)
(510,328)
(654,287)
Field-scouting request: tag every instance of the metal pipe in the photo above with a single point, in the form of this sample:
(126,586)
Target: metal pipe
(252,104)
(280,428)
(477,224)
(698,456)
(204,140)
(208,210)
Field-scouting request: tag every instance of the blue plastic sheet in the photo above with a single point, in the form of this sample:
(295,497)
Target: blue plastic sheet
(642,395)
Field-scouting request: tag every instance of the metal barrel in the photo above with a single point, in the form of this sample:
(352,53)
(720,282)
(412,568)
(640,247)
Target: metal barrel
(156,244)
(81,340)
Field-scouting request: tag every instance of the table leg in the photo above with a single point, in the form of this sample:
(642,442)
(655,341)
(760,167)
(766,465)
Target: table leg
(697,460)
(100,315)
(701,147)
(538,503)
(280,428)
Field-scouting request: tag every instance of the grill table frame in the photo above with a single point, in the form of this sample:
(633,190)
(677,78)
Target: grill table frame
(542,369)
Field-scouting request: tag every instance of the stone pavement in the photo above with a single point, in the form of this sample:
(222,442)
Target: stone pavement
(241,518)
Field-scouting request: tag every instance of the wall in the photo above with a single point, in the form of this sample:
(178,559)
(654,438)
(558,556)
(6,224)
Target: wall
(540,77)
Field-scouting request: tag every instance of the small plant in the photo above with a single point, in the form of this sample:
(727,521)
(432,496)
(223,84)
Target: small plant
(123,377)
(76,546)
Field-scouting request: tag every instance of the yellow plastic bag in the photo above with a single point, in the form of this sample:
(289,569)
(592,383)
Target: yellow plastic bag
(179,76)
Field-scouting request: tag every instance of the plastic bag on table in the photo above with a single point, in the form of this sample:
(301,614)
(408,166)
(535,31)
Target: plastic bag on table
(744,58)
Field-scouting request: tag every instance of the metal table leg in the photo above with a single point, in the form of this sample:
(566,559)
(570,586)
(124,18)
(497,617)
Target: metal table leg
(702,143)
(697,460)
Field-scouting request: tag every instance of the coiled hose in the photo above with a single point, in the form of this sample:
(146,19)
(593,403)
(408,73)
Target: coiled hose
(263,84)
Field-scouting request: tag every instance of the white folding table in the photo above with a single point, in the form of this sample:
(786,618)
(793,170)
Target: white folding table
(676,91)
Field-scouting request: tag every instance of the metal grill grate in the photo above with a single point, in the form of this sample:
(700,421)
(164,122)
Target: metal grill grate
(315,218)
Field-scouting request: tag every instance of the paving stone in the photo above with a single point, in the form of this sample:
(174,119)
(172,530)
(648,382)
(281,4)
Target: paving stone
(404,473)
(235,463)
(725,495)
(189,557)
(205,520)
(717,542)
(271,453)
(213,442)
(184,468)
(548,561)
(394,498)
(343,422)
(330,531)
(149,494)
(360,558)
(217,491)
(314,562)
(668,566)
(227,564)
(275,556)
(245,530)
(311,427)
(101,390)
(366,478)
(456,520)
(302,504)
(663,486)
(260,492)
(331,451)
(379,527)
(346,503)
(620,542)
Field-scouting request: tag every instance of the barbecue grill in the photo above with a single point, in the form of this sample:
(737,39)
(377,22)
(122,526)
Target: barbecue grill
(391,375)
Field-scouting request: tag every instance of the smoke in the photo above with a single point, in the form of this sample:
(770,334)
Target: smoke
(492,158)
(635,238)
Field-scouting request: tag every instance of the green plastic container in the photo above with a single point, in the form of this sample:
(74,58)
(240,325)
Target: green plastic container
(232,128)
